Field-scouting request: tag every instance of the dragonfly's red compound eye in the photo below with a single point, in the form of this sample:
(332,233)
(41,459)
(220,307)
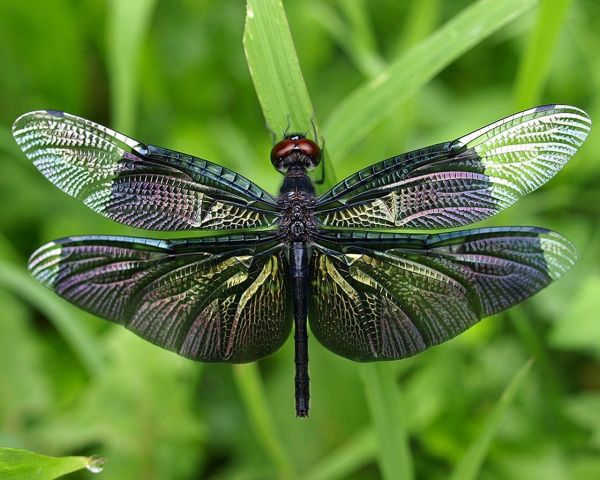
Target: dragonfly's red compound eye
(282,149)
(309,148)
(299,144)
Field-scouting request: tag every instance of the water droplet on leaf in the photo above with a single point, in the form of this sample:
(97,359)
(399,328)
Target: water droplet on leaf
(95,464)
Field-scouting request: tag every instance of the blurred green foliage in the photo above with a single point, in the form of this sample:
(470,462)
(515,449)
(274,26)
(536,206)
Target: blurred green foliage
(175,75)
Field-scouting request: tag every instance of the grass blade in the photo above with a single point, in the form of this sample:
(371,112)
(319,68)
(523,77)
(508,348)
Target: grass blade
(357,13)
(470,465)
(360,450)
(421,19)
(18,464)
(275,68)
(538,55)
(359,38)
(251,388)
(357,48)
(128,22)
(383,398)
(350,122)
(21,284)
(276,74)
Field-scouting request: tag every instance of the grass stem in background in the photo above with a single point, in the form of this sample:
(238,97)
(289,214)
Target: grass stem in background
(359,46)
(469,467)
(535,64)
(533,342)
(422,17)
(358,451)
(251,388)
(385,406)
(369,104)
(128,23)
(18,281)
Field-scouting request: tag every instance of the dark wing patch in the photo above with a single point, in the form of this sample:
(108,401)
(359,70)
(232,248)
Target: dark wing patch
(460,182)
(206,299)
(390,296)
(139,185)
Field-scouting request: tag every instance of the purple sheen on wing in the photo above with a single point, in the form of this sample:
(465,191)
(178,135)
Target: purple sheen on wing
(386,296)
(206,306)
(460,182)
(139,185)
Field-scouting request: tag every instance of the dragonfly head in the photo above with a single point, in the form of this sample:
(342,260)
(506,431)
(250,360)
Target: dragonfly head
(295,150)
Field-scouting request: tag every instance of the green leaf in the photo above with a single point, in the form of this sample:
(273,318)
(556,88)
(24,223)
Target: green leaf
(251,388)
(83,344)
(18,464)
(421,18)
(385,406)
(276,74)
(128,22)
(275,68)
(469,466)
(358,451)
(354,36)
(536,62)
(368,105)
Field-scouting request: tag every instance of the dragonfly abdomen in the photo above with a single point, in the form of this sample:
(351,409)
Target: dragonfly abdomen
(297,228)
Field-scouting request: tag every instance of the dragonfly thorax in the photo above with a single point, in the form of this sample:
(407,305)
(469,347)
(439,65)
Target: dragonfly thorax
(297,222)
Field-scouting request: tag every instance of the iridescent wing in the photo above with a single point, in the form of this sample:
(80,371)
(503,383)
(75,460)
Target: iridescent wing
(380,296)
(459,182)
(221,299)
(136,184)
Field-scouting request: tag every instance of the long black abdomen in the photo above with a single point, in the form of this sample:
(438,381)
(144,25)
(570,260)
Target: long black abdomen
(300,284)
(297,228)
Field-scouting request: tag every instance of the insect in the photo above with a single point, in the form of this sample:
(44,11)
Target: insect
(368,295)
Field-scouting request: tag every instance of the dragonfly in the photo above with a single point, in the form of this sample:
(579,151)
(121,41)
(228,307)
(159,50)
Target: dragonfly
(353,262)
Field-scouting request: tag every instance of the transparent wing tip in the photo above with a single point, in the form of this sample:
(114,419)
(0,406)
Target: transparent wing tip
(560,254)
(575,118)
(25,119)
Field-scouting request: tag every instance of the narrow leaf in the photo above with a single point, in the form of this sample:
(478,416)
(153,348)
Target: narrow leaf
(538,55)
(251,388)
(360,52)
(357,452)
(275,68)
(275,71)
(363,109)
(18,464)
(421,18)
(468,468)
(385,406)
(128,22)
(21,284)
